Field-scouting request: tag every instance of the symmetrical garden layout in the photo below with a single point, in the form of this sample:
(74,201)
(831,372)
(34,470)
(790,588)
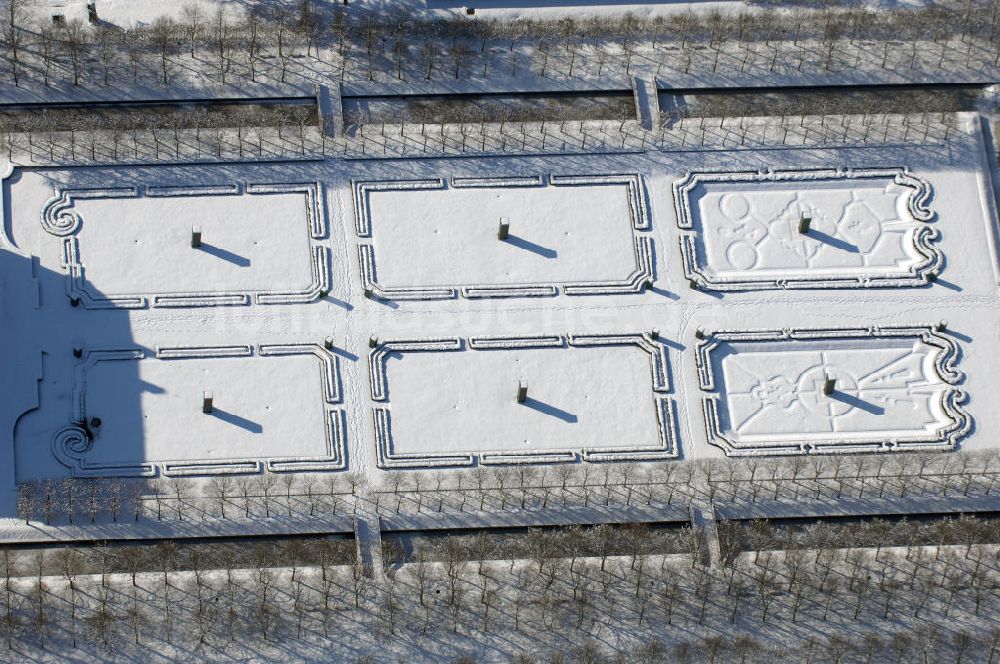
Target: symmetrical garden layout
(833,390)
(806,229)
(440,381)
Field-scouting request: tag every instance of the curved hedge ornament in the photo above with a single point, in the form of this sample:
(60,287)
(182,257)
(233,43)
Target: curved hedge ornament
(844,228)
(831,391)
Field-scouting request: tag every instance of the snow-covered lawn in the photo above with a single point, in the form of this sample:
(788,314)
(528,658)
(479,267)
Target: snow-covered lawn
(145,414)
(190,246)
(452,400)
(812,229)
(504,236)
(833,390)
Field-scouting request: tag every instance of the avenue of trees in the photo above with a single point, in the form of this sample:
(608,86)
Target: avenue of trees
(579,594)
(307,40)
(792,482)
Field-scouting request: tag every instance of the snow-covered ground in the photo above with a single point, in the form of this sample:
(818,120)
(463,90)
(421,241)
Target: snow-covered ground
(248,243)
(154,404)
(825,228)
(127,13)
(463,397)
(556,234)
(644,360)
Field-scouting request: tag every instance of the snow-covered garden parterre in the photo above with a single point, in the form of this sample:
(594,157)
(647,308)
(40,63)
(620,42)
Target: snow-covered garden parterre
(650,308)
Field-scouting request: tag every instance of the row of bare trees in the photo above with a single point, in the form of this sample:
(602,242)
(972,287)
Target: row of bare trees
(480,110)
(724,482)
(790,481)
(30,139)
(309,40)
(505,137)
(149,117)
(111,597)
(591,594)
(160,134)
(215,44)
(544,545)
(963,530)
(136,557)
(112,499)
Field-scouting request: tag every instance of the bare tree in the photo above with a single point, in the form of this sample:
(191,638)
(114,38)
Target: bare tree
(290,483)
(101,621)
(133,559)
(159,489)
(360,582)
(265,613)
(68,496)
(460,55)
(334,487)
(221,487)
(9,619)
(135,493)
(309,485)
(265,484)
(161,35)
(183,489)
(281,36)
(16,18)
(400,49)
(134,52)
(602,537)
(135,616)
(38,596)
(70,564)
(254,42)
(26,498)
(114,495)
(46,46)
(94,496)
(310,24)
(8,141)
(192,18)
(373,36)
(245,487)
(166,555)
(428,54)
(75,39)
(670,594)
(545,48)
(233,597)
(712,646)
(960,642)
(222,40)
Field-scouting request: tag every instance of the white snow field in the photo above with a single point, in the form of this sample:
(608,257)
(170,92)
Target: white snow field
(270,405)
(583,235)
(835,390)
(463,395)
(807,229)
(659,305)
(134,245)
